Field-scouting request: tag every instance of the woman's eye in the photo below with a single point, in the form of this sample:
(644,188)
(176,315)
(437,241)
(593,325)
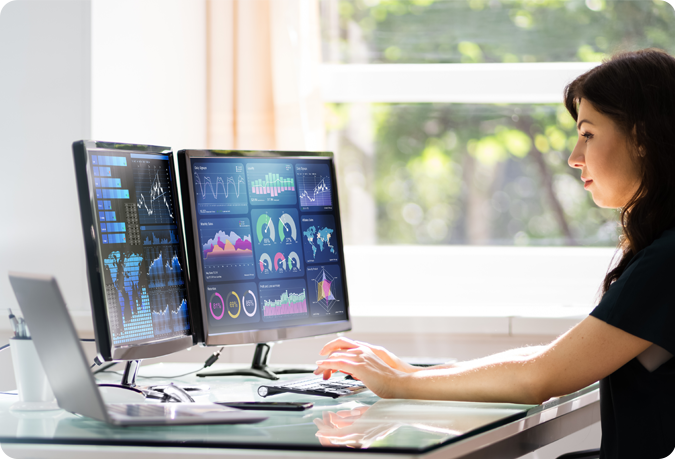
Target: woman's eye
(587,136)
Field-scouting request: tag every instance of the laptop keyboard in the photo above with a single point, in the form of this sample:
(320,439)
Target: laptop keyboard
(316,386)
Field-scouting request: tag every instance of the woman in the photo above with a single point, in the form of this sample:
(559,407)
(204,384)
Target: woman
(625,113)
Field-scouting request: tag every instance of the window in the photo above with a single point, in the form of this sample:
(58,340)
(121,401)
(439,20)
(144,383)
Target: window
(447,120)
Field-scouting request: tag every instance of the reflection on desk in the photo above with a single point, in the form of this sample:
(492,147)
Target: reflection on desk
(359,423)
(432,422)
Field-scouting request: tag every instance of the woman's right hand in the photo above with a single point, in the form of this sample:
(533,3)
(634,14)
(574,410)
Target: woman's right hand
(343,343)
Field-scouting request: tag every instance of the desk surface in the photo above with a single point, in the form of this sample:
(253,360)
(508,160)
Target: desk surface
(361,422)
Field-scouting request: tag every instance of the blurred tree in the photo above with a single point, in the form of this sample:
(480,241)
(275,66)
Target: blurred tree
(483,173)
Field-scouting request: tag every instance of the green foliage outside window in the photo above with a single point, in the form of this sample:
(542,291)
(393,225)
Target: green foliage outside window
(477,173)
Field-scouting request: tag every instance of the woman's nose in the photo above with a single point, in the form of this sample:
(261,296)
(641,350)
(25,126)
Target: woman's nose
(576,159)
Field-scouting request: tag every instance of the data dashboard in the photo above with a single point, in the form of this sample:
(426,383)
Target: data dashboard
(269,242)
(141,261)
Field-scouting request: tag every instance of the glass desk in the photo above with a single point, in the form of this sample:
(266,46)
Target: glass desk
(361,424)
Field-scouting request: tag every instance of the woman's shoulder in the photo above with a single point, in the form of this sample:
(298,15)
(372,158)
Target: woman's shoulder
(659,254)
(642,300)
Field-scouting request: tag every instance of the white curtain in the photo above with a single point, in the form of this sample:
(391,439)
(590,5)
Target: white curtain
(262,75)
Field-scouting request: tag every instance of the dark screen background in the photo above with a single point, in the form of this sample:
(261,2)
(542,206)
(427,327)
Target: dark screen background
(141,262)
(269,243)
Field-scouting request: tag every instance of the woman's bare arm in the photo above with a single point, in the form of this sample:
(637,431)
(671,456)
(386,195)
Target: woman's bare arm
(496,358)
(586,353)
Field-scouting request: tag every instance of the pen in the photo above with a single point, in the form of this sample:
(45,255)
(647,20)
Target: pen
(23,328)
(14,322)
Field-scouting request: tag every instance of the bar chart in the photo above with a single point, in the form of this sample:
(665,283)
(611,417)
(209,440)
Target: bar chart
(271,183)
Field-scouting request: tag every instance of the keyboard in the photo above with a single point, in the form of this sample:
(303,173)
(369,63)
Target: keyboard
(315,386)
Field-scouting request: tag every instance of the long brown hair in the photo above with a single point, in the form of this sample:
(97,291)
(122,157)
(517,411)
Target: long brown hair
(637,91)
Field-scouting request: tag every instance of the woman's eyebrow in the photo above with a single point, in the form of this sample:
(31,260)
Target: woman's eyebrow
(582,122)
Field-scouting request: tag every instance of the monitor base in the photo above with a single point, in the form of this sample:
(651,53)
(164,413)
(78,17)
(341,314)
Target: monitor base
(259,367)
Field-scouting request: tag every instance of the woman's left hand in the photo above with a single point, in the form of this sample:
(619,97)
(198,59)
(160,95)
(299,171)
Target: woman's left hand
(363,364)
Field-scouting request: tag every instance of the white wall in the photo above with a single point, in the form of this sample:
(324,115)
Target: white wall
(130,71)
(149,72)
(44,107)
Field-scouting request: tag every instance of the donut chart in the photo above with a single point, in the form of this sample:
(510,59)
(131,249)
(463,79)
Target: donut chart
(249,298)
(233,303)
(216,302)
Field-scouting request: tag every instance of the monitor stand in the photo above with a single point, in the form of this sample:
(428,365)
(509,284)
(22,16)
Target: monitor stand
(258,367)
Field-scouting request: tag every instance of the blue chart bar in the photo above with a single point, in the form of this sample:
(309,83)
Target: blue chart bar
(104,182)
(112,238)
(108,161)
(114,227)
(101,171)
(158,227)
(101,216)
(121,194)
(103,204)
(149,157)
(110,216)
(117,227)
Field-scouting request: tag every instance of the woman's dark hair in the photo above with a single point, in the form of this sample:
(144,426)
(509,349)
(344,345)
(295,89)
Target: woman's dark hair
(637,91)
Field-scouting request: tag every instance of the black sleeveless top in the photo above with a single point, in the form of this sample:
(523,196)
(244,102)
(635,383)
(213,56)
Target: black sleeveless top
(637,406)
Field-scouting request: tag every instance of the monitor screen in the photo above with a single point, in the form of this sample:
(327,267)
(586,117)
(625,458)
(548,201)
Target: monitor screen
(135,261)
(267,244)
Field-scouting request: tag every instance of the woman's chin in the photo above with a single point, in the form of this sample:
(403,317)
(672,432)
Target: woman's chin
(604,203)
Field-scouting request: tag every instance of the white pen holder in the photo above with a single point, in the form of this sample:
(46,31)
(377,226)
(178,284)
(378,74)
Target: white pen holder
(31,381)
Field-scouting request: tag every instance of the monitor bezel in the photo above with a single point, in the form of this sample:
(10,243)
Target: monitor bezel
(196,281)
(105,348)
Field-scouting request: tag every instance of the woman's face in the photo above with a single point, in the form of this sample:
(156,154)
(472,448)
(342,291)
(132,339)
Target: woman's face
(604,155)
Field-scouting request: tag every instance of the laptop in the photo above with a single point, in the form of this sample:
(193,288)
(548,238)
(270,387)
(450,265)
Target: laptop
(68,373)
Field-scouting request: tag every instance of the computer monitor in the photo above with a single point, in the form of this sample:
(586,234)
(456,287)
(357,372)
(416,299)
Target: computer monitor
(264,247)
(133,249)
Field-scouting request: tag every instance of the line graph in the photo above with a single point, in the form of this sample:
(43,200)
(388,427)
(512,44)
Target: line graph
(169,312)
(319,194)
(153,194)
(164,267)
(314,186)
(204,184)
(219,187)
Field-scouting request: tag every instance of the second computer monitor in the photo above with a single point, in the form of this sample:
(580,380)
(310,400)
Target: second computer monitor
(134,259)
(265,243)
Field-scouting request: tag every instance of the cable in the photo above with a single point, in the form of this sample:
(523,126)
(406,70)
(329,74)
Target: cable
(4,346)
(104,367)
(211,359)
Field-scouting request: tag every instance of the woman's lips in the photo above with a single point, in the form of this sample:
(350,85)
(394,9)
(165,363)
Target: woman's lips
(587,183)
